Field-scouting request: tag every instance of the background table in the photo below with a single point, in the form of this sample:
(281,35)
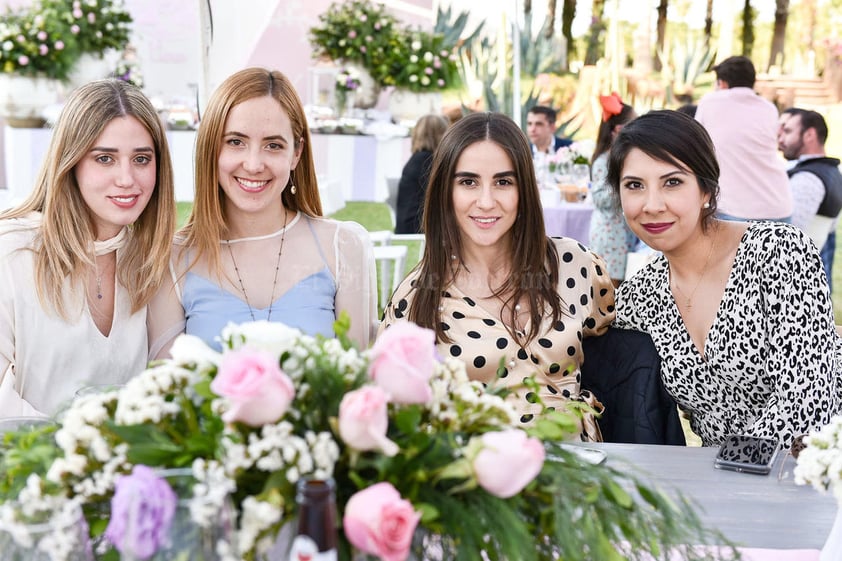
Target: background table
(572,220)
(751,510)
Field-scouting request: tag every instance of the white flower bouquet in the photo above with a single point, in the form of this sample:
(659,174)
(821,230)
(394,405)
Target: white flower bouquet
(411,443)
(820,462)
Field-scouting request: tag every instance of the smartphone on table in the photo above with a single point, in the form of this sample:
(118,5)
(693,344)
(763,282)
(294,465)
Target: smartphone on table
(748,454)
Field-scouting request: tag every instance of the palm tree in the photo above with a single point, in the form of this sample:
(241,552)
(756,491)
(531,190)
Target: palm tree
(748,28)
(662,31)
(595,39)
(568,12)
(708,23)
(549,25)
(781,15)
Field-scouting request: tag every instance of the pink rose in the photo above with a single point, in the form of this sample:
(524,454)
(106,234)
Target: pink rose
(507,462)
(257,390)
(379,522)
(402,361)
(363,420)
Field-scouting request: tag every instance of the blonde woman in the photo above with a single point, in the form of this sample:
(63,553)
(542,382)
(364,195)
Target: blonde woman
(255,246)
(83,255)
(416,173)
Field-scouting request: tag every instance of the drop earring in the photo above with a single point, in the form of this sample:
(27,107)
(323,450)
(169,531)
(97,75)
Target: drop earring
(292,189)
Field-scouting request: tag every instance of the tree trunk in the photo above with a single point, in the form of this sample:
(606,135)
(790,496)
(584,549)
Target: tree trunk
(549,25)
(779,36)
(568,12)
(527,7)
(748,28)
(662,31)
(708,23)
(595,39)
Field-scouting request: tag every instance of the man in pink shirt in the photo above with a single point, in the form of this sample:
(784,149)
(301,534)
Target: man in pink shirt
(743,126)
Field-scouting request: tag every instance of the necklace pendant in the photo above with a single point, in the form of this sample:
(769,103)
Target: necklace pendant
(99,296)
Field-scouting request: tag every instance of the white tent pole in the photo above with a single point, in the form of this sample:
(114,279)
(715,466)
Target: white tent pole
(516,64)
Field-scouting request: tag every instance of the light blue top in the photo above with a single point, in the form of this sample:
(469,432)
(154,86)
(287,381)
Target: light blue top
(309,305)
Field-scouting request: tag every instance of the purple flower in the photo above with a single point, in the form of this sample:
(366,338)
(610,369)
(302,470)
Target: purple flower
(91,17)
(59,45)
(440,83)
(142,511)
(42,35)
(23,60)
(77,13)
(43,49)
(74,29)
(352,34)
(428,71)
(363,48)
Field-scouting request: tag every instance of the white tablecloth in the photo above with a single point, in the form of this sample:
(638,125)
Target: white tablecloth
(572,220)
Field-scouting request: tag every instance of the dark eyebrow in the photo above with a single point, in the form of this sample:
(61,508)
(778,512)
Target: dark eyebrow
(664,176)
(115,151)
(472,175)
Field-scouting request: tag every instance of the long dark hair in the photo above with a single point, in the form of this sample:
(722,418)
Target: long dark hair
(534,259)
(606,128)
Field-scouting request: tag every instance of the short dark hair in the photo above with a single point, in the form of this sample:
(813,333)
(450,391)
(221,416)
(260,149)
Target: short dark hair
(812,120)
(548,112)
(669,136)
(736,71)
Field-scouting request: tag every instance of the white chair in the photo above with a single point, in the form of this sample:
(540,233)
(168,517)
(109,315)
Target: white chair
(380,237)
(399,238)
(391,260)
(392,199)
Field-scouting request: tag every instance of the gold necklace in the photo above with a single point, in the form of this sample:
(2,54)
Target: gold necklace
(274,282)
(689,299)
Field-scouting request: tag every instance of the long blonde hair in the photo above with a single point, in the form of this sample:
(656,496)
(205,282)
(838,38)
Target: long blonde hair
(207,224)
(64,243)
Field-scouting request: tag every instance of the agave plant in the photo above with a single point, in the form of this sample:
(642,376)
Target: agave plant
(683,67)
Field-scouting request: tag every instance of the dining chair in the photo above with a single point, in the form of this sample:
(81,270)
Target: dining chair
(409,238)
(391,260)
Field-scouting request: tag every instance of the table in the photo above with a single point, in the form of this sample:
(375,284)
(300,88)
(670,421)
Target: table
(572,220)
(751,510)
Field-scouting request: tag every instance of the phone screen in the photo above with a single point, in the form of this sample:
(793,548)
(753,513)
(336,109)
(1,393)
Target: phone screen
(747,453)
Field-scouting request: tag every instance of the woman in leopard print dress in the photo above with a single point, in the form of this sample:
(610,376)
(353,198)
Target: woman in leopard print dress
(740,312)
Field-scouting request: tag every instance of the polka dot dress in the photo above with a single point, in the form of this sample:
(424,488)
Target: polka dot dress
(553,358)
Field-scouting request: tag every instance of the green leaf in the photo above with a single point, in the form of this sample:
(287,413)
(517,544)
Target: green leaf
(618,494)
(408,419)
(429,513)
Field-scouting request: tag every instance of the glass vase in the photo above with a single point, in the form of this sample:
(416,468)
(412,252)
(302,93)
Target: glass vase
(184,539)
(55,535)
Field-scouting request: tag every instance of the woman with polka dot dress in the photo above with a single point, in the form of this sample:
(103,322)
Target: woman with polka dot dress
(500,295)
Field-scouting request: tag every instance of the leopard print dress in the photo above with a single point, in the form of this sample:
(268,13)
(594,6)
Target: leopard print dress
(772,358)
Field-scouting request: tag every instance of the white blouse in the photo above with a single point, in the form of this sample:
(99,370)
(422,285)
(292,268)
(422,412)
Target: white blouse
(45,359)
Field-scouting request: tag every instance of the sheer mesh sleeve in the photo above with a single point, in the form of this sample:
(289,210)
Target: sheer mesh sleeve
(165,317)
(356,281)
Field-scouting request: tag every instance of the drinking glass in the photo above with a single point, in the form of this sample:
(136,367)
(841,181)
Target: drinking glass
(18,424)
(28,535)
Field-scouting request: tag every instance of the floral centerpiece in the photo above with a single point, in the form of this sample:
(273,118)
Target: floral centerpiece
(48,37)
(412,444)
(394,54)
(347,84)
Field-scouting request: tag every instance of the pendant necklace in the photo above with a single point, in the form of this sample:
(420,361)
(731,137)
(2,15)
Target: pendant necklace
(274,282)
(689,299)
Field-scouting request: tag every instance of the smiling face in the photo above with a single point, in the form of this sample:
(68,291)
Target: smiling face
(117,176)
(662,202)
(485,196)
(258,153)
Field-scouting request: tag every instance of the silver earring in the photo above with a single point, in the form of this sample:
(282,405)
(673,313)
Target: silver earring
(706,205)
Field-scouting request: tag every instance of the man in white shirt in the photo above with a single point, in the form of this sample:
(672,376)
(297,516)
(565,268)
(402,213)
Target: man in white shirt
(815,180)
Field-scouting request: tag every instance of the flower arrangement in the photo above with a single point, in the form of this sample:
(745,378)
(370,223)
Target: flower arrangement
(347,80)
(820,462)
(411,443)
(576,153)
(48,37)
(395,55)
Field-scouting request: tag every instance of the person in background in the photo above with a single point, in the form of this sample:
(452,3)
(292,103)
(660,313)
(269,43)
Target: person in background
(727,302)
(84,254)
(499,294)
(610,236)
(413,184)
(255,246)
(540,128)
(744,128)
(815,181)
(687,108)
